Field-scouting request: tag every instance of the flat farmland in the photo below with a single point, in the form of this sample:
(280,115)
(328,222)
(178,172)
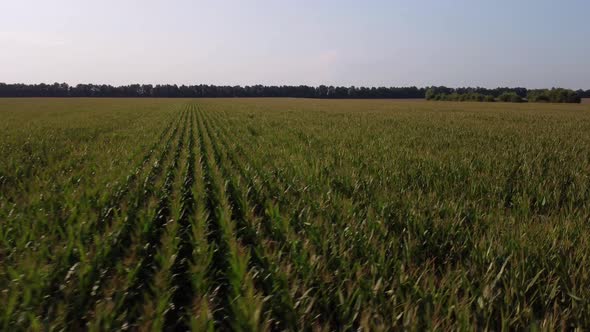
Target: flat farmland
(293,214)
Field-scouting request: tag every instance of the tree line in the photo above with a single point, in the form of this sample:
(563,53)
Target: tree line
(514,95)
(300,91)
(202,90)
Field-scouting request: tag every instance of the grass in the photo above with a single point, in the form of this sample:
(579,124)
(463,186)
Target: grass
(293,214)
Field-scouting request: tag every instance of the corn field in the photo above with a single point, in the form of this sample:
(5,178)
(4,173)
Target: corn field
(293,214)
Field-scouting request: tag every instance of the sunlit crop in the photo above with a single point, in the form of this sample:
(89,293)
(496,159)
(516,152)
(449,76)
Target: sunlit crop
(293,214)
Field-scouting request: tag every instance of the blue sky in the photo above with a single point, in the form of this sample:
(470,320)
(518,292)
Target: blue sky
(372,43)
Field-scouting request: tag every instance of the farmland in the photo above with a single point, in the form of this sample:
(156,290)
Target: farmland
(293,214)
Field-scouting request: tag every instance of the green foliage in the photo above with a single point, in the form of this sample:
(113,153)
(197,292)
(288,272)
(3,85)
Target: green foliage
(430,94)
(555,95)
(478,94)
(510,97)
(469,96)
(283,214)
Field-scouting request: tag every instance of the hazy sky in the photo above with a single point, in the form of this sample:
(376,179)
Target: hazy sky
(531,43)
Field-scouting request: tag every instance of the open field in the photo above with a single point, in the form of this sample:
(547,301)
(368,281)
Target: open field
(251,214)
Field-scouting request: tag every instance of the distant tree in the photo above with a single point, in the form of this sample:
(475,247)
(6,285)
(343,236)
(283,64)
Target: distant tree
(555,95)
(511,97)
(300,91)
(322,91)
(430,93)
